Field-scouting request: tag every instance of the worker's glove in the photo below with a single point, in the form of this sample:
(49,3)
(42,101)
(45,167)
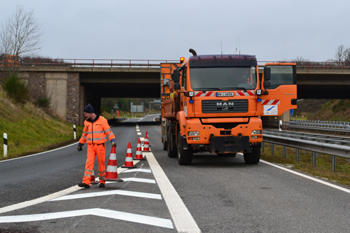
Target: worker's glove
(80,147)
(113,143)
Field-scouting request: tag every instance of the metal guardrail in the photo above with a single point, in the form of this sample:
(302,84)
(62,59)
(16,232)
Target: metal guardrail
(317,143)
(309,65)
(106,63)
(320,126)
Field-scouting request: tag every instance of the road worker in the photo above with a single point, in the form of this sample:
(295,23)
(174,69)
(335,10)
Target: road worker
(95,134)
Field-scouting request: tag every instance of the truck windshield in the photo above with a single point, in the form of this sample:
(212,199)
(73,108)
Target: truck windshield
(223,78)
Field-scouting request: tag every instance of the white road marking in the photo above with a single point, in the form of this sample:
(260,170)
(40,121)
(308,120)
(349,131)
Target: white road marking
(107,193)
(137,218)
(138,170)
(28,156)
(39,200)
(182,218)
(141,180)
(308,177)
(139,133)
(50,196)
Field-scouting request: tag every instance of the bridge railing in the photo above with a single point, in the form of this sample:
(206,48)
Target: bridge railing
(309,65)
(142,63)
(112,63)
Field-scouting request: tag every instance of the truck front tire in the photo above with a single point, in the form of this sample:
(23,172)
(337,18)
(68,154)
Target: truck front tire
(254,157)
(184,156)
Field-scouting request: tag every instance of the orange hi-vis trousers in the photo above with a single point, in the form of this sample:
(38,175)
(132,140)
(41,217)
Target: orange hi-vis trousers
(94,150)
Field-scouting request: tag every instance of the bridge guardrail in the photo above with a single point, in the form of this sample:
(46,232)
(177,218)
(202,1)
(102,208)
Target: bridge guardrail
(309,65)
(112,63)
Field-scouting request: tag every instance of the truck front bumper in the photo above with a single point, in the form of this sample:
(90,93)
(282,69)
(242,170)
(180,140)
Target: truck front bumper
(228,144)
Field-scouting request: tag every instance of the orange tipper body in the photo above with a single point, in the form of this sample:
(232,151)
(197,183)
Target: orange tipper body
(96,132)
(215,103)
(9,60)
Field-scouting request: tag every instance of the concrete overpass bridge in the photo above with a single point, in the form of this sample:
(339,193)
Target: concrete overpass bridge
(71,84)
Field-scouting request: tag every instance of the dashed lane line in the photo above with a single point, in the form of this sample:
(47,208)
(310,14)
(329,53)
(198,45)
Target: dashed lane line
(118,215)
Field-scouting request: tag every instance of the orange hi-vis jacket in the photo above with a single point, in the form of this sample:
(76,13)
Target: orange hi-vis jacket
(96,132)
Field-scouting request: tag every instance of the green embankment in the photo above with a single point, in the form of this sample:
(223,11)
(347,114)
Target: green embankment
(30,129)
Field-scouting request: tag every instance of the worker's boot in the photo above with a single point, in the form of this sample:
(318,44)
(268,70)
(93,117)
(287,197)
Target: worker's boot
(84,185)
(102,185)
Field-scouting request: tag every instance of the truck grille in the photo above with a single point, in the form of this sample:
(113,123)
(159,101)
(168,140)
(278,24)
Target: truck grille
(219,106)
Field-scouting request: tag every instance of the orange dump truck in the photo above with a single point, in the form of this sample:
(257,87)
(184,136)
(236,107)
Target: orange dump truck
(214,103)
(9,60)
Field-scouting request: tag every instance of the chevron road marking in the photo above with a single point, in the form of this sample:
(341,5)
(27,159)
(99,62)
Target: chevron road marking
(141,180)
(50,196)
(138,170)
(118,215)
(107,193)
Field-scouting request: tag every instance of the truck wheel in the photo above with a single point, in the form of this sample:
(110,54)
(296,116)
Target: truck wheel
(184,156)
(171,151)
(165,145)
(254,157)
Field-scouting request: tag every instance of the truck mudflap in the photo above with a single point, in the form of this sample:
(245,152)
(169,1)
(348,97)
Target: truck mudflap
(229,144)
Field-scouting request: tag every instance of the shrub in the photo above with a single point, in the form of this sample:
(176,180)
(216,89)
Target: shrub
(16,89)
(43,102)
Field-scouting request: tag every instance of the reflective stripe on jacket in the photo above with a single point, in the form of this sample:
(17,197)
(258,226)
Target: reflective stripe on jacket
(96,132)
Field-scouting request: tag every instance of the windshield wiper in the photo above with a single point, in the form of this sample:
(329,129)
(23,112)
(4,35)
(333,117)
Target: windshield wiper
(207,89)
(235,88)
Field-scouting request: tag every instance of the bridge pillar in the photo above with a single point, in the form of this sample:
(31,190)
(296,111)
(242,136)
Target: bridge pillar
(62,88)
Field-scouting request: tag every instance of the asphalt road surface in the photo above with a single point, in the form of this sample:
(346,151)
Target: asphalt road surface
(39,194)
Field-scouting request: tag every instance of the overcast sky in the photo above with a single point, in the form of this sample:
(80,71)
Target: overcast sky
(163,29)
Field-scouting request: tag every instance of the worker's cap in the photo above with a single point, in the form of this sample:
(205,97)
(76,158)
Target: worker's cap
(89,109)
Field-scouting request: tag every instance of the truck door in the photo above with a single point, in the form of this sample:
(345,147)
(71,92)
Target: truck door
(279,87)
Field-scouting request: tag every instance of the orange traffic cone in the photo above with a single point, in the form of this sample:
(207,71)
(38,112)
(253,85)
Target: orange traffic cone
(129,163)
(138,155)
(93,180)
(111,172)
(146,143)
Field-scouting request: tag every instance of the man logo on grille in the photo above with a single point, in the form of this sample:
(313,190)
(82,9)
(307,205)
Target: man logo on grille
(224,106)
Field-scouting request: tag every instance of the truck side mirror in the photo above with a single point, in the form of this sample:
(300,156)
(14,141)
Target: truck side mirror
(176,76)
(267,74)
(176,86)
(267,84)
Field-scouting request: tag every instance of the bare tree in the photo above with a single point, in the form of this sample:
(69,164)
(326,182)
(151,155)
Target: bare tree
(20,34)
(339,55)
(347,55)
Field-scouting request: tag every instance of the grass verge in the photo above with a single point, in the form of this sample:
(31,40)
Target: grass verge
(323,167)
(30,129)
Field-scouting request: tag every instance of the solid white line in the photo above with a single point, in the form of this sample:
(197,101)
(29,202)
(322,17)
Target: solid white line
(138,170)
(308,177)
(137,218)
(28,156)
(39,200)
(182,218)
(107,193)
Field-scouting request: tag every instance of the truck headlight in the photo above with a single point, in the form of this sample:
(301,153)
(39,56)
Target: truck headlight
(193,133)
(256,132)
